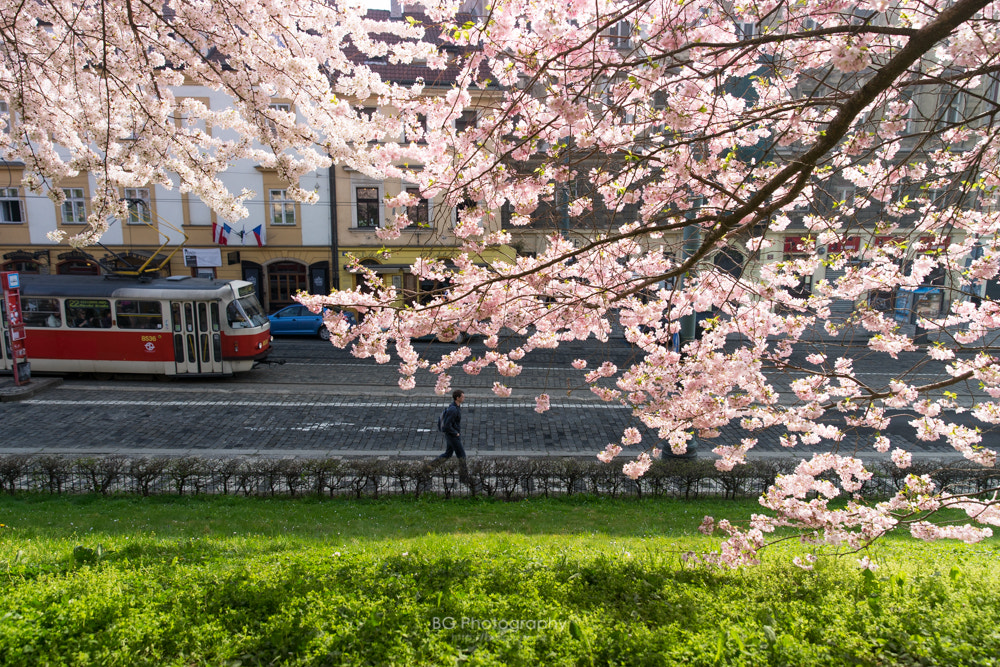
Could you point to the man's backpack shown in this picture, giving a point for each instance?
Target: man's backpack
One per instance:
(441, 420)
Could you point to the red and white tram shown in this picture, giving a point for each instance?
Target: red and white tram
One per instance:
(165, 326)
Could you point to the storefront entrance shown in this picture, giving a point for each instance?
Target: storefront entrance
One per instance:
(284, 280)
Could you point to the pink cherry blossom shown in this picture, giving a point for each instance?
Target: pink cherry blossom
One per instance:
(501, 390)
(636, 469)
(609, 453)
(627, 177)
(901, 458)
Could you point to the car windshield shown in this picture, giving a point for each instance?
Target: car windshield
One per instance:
(246, 312)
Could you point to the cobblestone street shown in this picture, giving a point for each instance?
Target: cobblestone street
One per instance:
(324, 402)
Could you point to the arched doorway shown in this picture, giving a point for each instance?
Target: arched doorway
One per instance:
(130, 261)
(364, 284)
(22, 262)
(22, 266)
(284, 280)
(729, 260)
(361, 281)
(78, 267)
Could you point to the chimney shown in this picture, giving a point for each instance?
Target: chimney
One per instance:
(396, 9)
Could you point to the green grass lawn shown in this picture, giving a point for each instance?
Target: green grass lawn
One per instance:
(228, 580)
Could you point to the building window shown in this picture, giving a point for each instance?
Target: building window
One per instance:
(988, 202)
(861, 16)
(415, 128)
(620, 34)
(10, 206)
(5, 117)
(74, 209)
(140, 210)
(369, 114)
(22, 266)
(282, 208)
(367, 206)
(461, 206)
(419, 213)
(78, 267)
(951, 105)
(746, 30)
(914, 119)
(280, 107)
(843, 196)
(993, 88)
(467, 120)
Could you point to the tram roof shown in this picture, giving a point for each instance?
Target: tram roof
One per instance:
(114, 286)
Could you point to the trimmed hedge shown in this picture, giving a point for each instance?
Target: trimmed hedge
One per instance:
(501, 477)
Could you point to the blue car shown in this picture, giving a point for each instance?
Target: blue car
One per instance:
(296, 320)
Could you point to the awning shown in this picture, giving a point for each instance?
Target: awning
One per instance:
(382, 268)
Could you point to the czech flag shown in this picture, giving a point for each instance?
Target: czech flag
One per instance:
(260, 234)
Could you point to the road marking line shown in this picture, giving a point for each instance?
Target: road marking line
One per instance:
(569, 368)
(319, 404)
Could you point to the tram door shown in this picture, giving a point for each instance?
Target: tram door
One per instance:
(197, 339)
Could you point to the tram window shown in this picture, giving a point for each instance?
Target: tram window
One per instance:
(245, 313)
(251, 307)
(139, 314)
(88, 313)
(202, 317)
(41, 313)
(215, 316)
(235, 316)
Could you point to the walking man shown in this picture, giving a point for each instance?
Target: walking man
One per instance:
(451, 426)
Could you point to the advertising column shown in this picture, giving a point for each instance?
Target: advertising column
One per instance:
(11, 284)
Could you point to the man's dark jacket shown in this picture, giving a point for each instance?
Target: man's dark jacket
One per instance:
(451, 421)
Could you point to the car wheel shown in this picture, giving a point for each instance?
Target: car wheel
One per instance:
(324, 333)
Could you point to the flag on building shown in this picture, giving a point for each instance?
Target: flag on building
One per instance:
(260, 234)
(220, 233)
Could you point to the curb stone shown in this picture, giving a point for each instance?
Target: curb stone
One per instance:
(12, 392)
